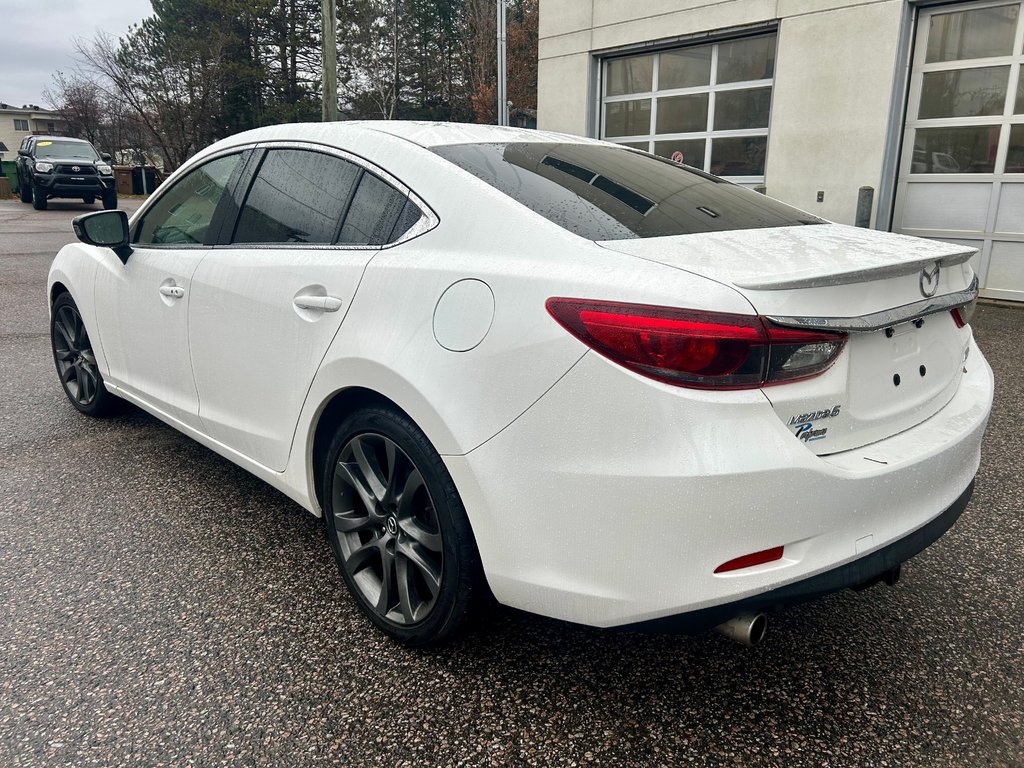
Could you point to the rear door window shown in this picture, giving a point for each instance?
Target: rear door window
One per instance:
(375, 209)
(298, 196)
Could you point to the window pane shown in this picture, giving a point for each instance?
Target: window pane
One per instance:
(685, 68)
(409, 216)
(735, 110)
(373, 213)
(955, 150)
(183, 214)
(1015, 154)
(633, 75)
(687, 151)
(627, 118)
(644, 145)
(964, 92)
(630, 194)
(1019, 109)
(740, 156)
(298, 197)
(683, 114)
(752, 58)
(972, 34)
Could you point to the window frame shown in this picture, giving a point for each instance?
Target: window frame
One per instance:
(712, 88)
(23, 121)
(428, 219)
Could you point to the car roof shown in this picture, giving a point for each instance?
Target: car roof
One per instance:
(423, 133)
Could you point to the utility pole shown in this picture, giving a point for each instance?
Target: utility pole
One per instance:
(502, 98)
(329, 113)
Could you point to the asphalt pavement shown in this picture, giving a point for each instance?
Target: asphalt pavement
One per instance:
(161, 607)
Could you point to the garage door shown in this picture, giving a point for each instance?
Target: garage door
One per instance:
(962, 168)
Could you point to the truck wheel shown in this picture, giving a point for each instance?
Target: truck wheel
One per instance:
(109, 201)
(24, 191)
(89, 199)
(39, 198)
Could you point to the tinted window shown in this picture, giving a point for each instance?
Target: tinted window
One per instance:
(610, 193)
(374, 211)
(183, 214)
(409, 216)
(297, 197)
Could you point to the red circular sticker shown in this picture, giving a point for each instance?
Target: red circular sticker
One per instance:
(677, 157)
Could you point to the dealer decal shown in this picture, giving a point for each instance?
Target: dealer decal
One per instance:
(808, 433)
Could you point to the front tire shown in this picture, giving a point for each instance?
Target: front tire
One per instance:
(38, 198)
(398, 529)
(109, 200)
(76, 363)
(89, 199)
(24, 191)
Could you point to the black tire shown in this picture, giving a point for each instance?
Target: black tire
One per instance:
(420, 537)
(76, 365)
(38, 198)
(24, 191)
(89, 199)
(109, 201)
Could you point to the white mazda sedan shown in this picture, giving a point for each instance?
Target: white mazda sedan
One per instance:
(601, 386)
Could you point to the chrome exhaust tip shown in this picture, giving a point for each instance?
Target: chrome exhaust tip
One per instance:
(746, 629)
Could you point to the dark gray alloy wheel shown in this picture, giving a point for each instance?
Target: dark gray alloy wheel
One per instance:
(398, 529)
(76, 362)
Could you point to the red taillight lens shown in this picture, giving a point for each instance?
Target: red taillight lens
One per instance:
(704, 350)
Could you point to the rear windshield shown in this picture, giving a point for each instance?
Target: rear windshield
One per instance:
(602, 192)
(65, 150)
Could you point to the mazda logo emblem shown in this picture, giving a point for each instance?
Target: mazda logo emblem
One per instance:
(929, 281)
(75, 168)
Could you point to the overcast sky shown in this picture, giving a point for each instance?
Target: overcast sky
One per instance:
(39, 39)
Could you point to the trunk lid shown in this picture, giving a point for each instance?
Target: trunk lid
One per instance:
(903, 361)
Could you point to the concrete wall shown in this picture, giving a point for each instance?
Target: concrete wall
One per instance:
(834, 77)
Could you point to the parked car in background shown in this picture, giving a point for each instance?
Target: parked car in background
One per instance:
(607, 387)
(56, 166)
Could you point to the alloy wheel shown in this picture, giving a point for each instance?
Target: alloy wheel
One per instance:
(387, 529)
(76, 362)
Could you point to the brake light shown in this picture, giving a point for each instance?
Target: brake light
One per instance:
(701, 350)
(962, 315)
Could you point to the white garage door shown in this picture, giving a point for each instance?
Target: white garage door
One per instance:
(962, 168)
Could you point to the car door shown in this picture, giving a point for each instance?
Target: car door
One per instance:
(267, 303)
(142, 304)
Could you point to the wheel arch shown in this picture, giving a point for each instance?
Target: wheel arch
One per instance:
(331, 413)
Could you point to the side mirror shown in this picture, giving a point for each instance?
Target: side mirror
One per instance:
(105, 156)
(106, 229)
(23, 152)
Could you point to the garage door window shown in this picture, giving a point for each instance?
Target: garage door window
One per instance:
(706, 105)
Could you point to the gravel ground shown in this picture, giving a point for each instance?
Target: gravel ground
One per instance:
(160, 607)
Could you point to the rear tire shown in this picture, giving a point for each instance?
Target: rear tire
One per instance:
(24, 191)
(398, 530)
(109, 201)
(38, 198)
(76, 363)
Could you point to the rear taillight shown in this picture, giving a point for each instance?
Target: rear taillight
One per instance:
(702, 350)
(962, 315)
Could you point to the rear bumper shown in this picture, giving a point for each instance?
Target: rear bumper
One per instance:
(862, 571)
(613, 499)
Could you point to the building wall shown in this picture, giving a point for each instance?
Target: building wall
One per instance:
(834, 77)
(37, 124)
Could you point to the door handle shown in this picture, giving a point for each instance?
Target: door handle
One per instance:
(318, 303)
(174, 291)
